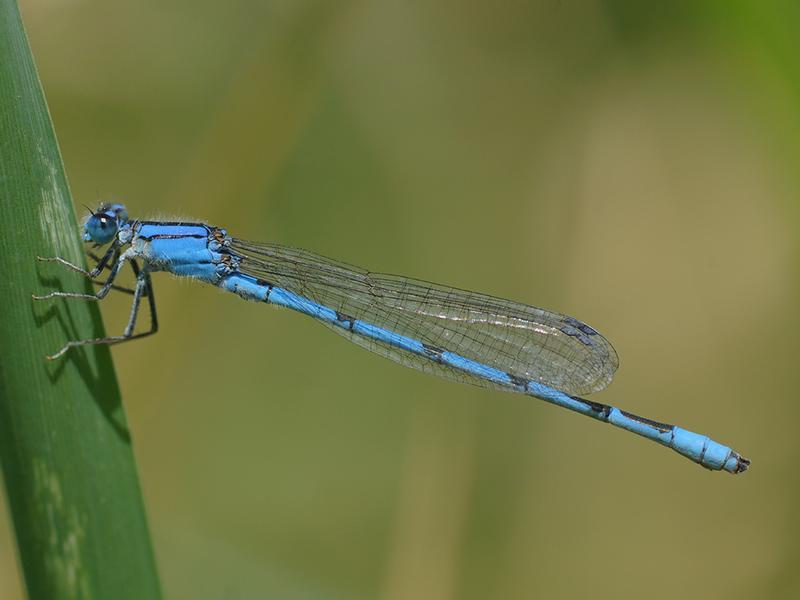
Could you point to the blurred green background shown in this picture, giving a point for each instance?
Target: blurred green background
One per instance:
(633, 164)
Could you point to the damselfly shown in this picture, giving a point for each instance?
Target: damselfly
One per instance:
(459, 335)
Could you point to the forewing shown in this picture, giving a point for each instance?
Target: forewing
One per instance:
(522, 340)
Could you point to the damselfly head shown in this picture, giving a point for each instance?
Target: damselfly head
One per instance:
(102, 226)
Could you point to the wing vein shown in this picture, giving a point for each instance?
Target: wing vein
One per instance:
(521, 340)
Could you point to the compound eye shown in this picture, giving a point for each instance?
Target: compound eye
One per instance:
(100, 228)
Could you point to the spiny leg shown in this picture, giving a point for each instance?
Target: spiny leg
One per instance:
(101, 263)
(150, 299)
(101, 293)
(113, 250)
(117, 288)
(143, 287)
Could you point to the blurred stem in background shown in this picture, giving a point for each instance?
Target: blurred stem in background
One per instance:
(66, 454)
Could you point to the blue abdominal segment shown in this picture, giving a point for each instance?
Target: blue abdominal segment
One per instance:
(697, 448)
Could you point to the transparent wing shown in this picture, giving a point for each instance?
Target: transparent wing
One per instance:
(522, 340)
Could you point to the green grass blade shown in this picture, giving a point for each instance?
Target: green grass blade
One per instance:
(66, 455)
